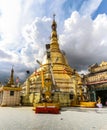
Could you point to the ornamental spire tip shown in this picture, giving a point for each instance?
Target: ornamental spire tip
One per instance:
(54, 16)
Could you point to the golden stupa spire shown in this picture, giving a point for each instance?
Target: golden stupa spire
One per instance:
(54, 25)
(54, 32)
(11, 80)
(54, 38)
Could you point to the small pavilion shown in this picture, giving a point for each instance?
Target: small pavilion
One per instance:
(10, 93)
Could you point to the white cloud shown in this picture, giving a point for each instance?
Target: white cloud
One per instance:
(4, 55)
(36, 36)
(9, 19)
(85, 39)
(89, 6)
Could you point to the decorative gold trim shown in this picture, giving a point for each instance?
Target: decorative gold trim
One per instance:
(11, 88)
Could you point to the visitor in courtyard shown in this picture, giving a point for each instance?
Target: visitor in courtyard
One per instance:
(99, 104)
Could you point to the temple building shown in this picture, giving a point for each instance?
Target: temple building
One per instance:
(65, 82)
(96, 82)
(10, 93)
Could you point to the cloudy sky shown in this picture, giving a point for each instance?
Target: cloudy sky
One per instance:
(25, 29)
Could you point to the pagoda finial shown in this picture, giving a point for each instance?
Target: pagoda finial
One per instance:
(11, 81)
(54, 25)
(12, 76)
(54, 16)
(54, 39)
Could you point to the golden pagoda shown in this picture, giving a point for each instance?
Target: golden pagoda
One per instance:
(54, 71)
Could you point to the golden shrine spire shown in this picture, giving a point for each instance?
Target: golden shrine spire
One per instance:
(11, 80)
(54, 25)
(54, 39)
(54, 32)
(12, 76)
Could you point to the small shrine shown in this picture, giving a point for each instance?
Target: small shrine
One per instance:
(10, 93)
